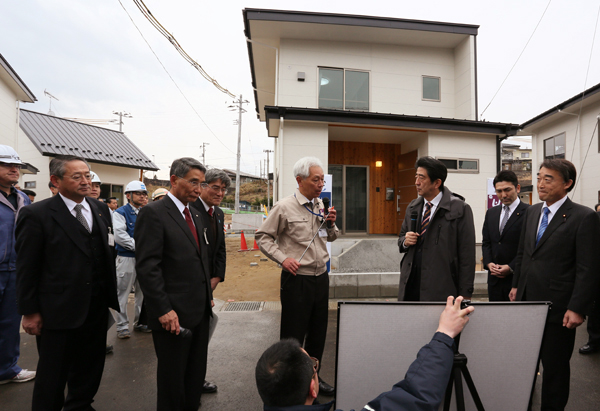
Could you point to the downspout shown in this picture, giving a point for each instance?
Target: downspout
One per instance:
(499, 152)
(280, 158)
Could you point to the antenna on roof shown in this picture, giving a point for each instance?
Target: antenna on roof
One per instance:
(50, 97)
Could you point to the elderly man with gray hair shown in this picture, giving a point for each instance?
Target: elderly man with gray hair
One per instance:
(284, 237)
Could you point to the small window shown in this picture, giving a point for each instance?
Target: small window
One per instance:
(461, 165)
(29, 184)
(431, 88)
(342, 89)
(524, 155)
(554, 147)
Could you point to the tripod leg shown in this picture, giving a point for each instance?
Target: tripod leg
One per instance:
(448, 396)
(472, 389)
(458, 389)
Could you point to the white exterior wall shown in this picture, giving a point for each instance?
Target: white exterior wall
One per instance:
(472, 186)
(395, 80)
(588, 184)
(300, 140)
(8, 117)
(116, 175)
(464, 82)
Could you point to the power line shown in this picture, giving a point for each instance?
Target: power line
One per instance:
(173, 80)
(162, 30)
(511, 69)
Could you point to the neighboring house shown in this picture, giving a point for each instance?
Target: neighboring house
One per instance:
(368, 96)
(244, 177)
(570, 130)
(12, 92)
(110, 153)
(518, 159)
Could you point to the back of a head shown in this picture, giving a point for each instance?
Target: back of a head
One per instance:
(283, 374)
(435, 169)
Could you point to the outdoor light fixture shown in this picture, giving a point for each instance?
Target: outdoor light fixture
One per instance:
(378, 163)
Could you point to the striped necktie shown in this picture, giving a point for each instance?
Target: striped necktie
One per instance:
(505, 219)
(426, 218)
(543, 225)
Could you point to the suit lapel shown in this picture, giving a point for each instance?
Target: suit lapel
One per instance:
(561, 216)
(68, 223)
(173, 211)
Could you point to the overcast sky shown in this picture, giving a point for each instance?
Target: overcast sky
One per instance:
(92, 58)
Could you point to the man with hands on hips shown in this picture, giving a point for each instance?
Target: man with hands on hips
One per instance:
(284, 236)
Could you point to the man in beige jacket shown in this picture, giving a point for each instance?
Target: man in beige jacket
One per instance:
(284, 237)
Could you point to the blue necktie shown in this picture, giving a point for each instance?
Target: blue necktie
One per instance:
(543, 226)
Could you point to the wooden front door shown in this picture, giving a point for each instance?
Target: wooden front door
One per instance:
(406, 190)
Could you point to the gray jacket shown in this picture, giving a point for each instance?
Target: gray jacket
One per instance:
(448, 263)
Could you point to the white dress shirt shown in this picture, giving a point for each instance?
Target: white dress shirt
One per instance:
(180, 206)
(511, 209)
(86, 210)
(553, 209)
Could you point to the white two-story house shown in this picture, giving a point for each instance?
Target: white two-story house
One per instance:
(368, 96)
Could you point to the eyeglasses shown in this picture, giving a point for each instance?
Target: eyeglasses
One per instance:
(79, 177)
(194, 184)
(140, 193)
(315, 364)
(11, 165)
(214, 188)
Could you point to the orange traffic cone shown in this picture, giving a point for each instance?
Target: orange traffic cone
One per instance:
(243, 245)
(255, 246)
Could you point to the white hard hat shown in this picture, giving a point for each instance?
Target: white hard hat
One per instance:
(135, 185)
(95, 178)
(8, 155)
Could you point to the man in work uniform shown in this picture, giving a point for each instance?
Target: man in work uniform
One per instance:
(283, 237)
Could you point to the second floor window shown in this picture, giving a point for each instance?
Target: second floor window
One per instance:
(343, 89)
(554, 147)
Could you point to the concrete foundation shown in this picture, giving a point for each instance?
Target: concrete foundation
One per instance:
(249, 222)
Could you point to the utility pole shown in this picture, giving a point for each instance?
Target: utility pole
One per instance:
(268, 181)
(203, 147)
(122, 114)
(240, 110)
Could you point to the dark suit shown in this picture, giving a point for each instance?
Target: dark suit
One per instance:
(501, 248)
(174, 275)
(217, 251)
(68, 276)
(563, 269)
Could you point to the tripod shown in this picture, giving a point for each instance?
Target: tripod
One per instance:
(459, 367)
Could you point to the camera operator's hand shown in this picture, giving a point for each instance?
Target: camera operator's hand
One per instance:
(453, 319)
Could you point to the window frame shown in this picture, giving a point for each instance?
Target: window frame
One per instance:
(423, 77)
(343, 70)
(564, 155)
(458, 160)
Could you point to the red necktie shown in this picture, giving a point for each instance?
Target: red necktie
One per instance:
(190, 223)
(210, 211)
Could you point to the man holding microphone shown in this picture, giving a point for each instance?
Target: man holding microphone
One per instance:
(295, 235)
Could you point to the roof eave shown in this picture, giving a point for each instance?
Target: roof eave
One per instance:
(18, 81)
(390, 120)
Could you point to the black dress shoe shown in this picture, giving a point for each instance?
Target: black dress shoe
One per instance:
(588, 349)
(109, 349)
(208, 387)
(325, 389)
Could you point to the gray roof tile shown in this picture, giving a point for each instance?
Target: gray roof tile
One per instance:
(57, 136)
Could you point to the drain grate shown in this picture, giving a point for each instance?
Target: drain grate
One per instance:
(272, 306)
(244, 306)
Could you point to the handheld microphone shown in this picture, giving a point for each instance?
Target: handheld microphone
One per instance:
(184, 332)
(413, 221)
(326, 211)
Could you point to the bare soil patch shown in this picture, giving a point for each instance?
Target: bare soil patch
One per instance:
(246, 283)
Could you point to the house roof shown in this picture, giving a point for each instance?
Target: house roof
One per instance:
(265, 28)
(590, 95)
(401, 121)
(12, 79)
(242, 174)
(54, 136)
